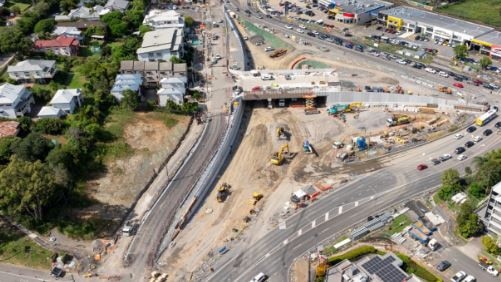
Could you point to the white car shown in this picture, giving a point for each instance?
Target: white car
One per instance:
(458, 276)
(443, 73)
(430, 70)
(477, 139)
(458, 136)
(470, 278)
(217, 57)
(445, 157)
(462, 157)
(316, 32)
(302, 26)
(402, 62)
(269, 49)
(300, 30)
(289, 26)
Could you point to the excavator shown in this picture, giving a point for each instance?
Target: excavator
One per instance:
(278, 157)
(282, 134)
(223, 191)
(256, 197)
(307, 147)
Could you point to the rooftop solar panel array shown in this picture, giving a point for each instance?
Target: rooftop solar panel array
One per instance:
(385, 269)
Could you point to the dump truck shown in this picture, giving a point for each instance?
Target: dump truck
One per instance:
(222, 192)
(394, 121)
(419, 236)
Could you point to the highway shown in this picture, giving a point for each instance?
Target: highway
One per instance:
(368, 195)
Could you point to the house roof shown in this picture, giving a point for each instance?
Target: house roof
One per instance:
(60, 41)
(159, 17)
(180, 67)
(32, 65)
(50, 111)
(151, 66)
(64, 96)
(165, 66)
(9, 128)
(9, 93)
(162, 39)
(169, 91)
(172, 79)
(120, 5)
(84, 12)
(67, 30)
(127, 81)
(82, 24)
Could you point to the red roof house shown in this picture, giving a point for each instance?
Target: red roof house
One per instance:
(61, 45)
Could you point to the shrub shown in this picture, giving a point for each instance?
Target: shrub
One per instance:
(50, 126)
(352, 255)
(412, 267)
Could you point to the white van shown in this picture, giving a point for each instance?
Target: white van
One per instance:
(266, 76)
(320, 22)
(259, 278)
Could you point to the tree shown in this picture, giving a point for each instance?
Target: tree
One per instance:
(26, 189)
(490, 245)
(468, 222)
(451, 184)
(50, 126)
(45, 26)
(188, 21)
(176, 60)
(13, 40)
(485, 62)
(115, 22)
(144, 29)
(24, 125)
(6, 145)
(461, 51)
(67, 5)
(476, 190)
(130, 100)
(32, 147)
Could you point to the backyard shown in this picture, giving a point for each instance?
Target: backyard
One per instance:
(481, 11)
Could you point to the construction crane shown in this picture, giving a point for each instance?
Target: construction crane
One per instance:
(223, 191)
(278, 157)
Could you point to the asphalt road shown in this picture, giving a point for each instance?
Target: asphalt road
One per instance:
(274, 253)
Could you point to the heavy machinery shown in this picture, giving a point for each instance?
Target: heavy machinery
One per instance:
(355, 106)
(307, 147)
(256, 197)
(278, 53)
(445, 89)
(338, 108)
(397, 120)
(282, 134)
(223, 191)
(278, 157)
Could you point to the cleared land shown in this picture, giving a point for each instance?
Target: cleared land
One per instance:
(482, 11)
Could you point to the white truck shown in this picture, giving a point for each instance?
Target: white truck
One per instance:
(433, 244)
(489, 268)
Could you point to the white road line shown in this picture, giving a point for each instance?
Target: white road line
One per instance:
(267, 255)
(340, 210)
(356, 204)
(299, 232)
(326, 216)
(286, 241)
(313, 224)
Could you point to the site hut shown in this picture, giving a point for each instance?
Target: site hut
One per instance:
(488, 44)
(354, 11)
(288, 87)
(415, 21)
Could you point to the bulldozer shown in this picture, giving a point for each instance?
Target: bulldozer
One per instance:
(223, 191)
(282, 134)
(278, 157)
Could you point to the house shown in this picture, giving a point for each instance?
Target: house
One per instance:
(84, 13)
(153, 72)
(173, 89)
(158, 19)
(82, 24)
(9, 128)
(160, 45)
(61, 45)
(126, 82)
(15, 100)
(117, 5)
(67, 100)
(68, 31)
(50, 112)
(32, 70)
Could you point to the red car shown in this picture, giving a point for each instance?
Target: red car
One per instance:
(477, 82)
(458, 85)
(422, 167)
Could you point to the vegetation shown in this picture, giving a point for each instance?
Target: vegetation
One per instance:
(17, 249)
(398, 224)
(451, 184)
(483, 11)
(485, 62)
(412, 267)
(460, 51)
(352, 254)
(490, 245)
(468, 222)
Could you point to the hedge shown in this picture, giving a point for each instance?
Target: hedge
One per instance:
(352, 255)
(412, 267)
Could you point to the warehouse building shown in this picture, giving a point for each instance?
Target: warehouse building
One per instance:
(355, 11)
(433, 25)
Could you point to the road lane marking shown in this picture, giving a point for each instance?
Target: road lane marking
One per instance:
(356, 204)
(313, 224)
(326, 216)
(340, 210)
(267, 255)
(286, 241)
(282, 225)
(299, 232)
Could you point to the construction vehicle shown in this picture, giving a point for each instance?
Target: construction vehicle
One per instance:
(445, 89)
(337, 108)
(223, 191)
(397, 120)
(278, 157)
(256, 197)
(355, 106)
(310, 108)
(307, 147)
(278, 53)
(282, 134)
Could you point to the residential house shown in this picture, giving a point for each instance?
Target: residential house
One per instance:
(50, 112)
(68, 31)
(158, 19)
(84, 13)
(173, 89)
(67, 100)
(117, 5)
(161, 45)
(32, 70)
(15, 100)
(61, 45)
(153, 72)
(126, 82)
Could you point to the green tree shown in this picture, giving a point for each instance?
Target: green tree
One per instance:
(451, 184)
(115, 22)
(24, 125)
(12, 40)
(485, 62)
(6, 145)
(130, 100)
(50, 126)
(144, 29)
(176, 60)
(468, 222)
(461, 51)
(476, 190)
(26, 189)
(67, 5)
(490, 245)
(32, 147)
(188, 21)
(45, 26)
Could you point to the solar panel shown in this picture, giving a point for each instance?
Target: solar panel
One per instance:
(385, 269)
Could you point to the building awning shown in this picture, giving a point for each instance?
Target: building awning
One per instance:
(480, 42)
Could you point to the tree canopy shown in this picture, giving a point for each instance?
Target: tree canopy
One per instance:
(461, 51)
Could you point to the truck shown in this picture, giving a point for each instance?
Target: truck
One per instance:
(418, 236)
(394, 121)
(433, 244)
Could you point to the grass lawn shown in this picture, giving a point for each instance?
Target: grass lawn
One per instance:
(483, 11)
(269, 38)
(413, 267)
(399, 223)
(16, 249)
(115, 126)
(22, 6)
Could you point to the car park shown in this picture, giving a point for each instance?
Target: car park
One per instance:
(422, 167)
(487, 132)
(443, 265)
(445, 157)
(458, 276)
(459, 150)
(461, 157)
(471, 129)
(435, 161)
(469, 144)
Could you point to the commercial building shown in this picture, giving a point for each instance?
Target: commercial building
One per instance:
(61, 45)
(161, 45)
(126, 82)
(355, 11)
(153, 72)
(15, 100)
(488, 44)
(435, 26)
(32, 70)
(492, 218)
(158, 19)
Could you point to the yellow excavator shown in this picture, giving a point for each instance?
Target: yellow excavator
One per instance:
(256, 197)
(223, 191)
(278, 157)
(281, 133)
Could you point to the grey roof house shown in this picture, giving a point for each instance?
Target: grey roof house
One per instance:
(117, 5)
(32, 70)
(153, 72)
(161, 45)
(126, 82)
(15, 100)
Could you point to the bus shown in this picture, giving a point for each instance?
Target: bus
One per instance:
(486, 117)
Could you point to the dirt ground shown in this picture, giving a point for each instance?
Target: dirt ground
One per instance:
(152, 141)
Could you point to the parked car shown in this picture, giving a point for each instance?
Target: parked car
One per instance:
(435, 161)
(461, 157)
(471, 129)
(469, 144)
(443, 265)
(430, 70)
(489, 268)
(443, 74)
(487, 132)
(477, 138)
(422, 167)
(445, 157)
(459, 150)
(470, 278)
(458, 85)
(458, 276)
(498, 124)
(458, 136)
(477, 82)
